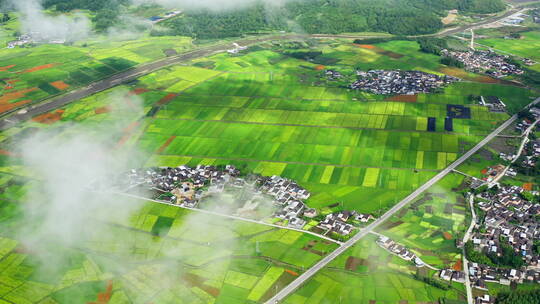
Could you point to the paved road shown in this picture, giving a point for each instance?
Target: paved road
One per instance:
(461, 29)
(411, 197)
(126, 76)
(11, 120)
(230, 216)
(466, 237)
(518, 154)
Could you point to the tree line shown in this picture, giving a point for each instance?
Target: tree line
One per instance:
(398, 17)
(519, 297)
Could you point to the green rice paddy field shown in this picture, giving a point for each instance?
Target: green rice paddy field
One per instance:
(32, 74)
(367, 273)
(431, 225)
(162, 254)
(526, 47)
(262, 112)
(256, 111)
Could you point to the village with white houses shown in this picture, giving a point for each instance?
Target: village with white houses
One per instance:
(187, 187)
(399, 82)
(487, 62)
(504, 245)
(34, 38)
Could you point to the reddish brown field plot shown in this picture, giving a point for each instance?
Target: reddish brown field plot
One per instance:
(381, 51)
(60, 85)
(104, 297)
(165, 100)
(8, 100)
(49, 118)
(447, 236)
(3, 69)
(102, 110)
(38, 68)
(138, 91)
(403, 98)
(166, 144)
(127, 134)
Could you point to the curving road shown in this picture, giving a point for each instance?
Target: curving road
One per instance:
(466, 237)
(410, 198)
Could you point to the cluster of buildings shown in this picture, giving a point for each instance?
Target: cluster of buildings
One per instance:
(33, 38)
(289, 196)
(399, 250)
(182, 185)
(337, 222)
(168, 15)
(515, 19)
(487, 62)
(332, 74)
(187, 186)
(509, 220)
(399, 82)
(536, 16)
(236, 49)
(493, 103)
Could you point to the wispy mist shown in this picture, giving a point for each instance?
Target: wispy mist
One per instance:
(63, 209)
(45, 27)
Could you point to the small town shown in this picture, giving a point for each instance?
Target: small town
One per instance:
(488, 62)
(503, 246)
(397, 82)
(187, 187)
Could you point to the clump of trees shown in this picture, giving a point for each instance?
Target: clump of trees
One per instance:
(508, 257)
(449, 61)
(519, 297)
(398, 17)
(431, 281)
(432, 45)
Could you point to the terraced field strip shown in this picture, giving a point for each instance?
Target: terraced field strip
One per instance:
(299, 163)
(304, 125)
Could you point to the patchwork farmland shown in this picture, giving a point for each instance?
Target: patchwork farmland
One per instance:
(265, 112)
(367, 273)
(32, 74)
(208, 259)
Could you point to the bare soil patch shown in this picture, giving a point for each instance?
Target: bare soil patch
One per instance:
(381, 51)
(49, 118)
(60, 85)
(403, 98)
(166, 144)
(353, 263)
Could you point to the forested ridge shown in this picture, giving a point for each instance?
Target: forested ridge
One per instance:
(399, 17)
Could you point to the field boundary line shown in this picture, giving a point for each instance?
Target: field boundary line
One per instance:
(307, 126)
(229, 216)
(297, 163)
(299, 281)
